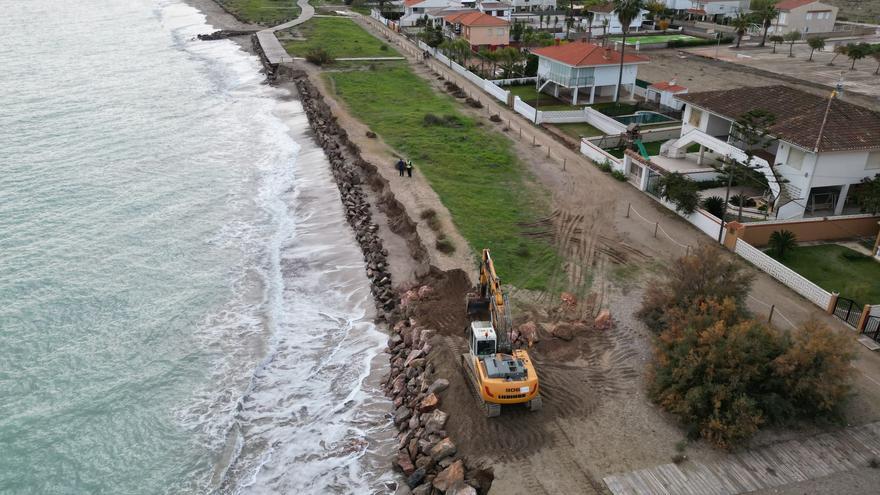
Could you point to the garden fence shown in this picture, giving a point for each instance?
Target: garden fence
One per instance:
(784, 274)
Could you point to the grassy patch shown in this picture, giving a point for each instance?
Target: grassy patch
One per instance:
(473, 170)
(267, 12)
(341, 37)
(579, 130)
(837, 268)
(544, 101)
(612, 109)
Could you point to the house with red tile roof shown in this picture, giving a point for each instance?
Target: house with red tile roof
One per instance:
(579, 68)
(479, 29)
(818, 148)
(804, 16)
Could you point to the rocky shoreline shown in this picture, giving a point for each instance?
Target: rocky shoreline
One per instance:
(426, 456)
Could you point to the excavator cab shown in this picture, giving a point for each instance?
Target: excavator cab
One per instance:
(482, 339)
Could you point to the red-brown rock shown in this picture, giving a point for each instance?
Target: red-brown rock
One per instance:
(429, 403)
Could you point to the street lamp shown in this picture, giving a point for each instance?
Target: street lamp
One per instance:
(718, 35)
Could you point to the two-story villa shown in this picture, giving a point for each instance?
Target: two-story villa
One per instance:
(819, 148)
(582, 69)
(604, 16)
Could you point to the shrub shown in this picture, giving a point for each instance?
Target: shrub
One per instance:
(617, 174)
(691, 280)
(725, 377)
(430, 217)
(444, 121)
(444, 245)
(782, 242)
(714, 205)
(319, 56)
(681, 191)
(604, 165)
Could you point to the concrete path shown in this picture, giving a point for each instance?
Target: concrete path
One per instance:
(272, 48)
(772, 466)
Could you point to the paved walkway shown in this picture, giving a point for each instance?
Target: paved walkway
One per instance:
(272, 48)
(772, 466)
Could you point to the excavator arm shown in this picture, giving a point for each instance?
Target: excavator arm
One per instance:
(490, 288)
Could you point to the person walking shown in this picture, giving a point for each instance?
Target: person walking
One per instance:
(409, 168)
(400, 167)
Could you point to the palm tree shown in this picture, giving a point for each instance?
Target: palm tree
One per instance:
(741, 23)
(627, 11)
(590, 26)
(815, 44)
(791, 37)
(604, 30)
(781, 242)
(656, 8)
(765, 12)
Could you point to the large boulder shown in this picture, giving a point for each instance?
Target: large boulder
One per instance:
(402, 414)
(446, 478)
(436, 421)
(416, 478)
(603, 320)
(461, 488)
(563, 331)
(413, 355)
(529, 333)
(429, 403)
(444, 448)
(404, 463)
(438, 386)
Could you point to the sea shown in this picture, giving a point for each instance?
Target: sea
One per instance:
(183, 308)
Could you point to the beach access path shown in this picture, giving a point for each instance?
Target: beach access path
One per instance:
(272, 48)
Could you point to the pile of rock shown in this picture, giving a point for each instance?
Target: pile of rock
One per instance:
(426, 455)
(348, 175)
(223, 34)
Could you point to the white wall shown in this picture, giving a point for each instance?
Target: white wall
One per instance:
(607, 75)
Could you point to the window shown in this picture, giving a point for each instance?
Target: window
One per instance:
(809, 16)
(782, 17)
(873, 160)
(795, 158)
(695, 117)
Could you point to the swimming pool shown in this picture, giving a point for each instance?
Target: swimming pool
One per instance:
(643, 117)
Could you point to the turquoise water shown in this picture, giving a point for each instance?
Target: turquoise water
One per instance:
(643, 117)
(174, 317)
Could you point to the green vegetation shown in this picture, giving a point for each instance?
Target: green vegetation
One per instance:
(660, 38)
(579, 130)
(266, 12)
(837, 268)
(725, 375)
(529, 95)
(473, 170)
(340, 37)
(613, 109)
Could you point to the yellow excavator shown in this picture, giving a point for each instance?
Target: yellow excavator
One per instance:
(498, 374)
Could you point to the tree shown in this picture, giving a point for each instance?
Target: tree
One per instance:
(656, 8)
(741, 24)
(627, 11)
(725, 376)
(751, 132)
(707, 273)
(868, 195)
(541, 21)
(775, 39)
(782, 242)
(590, 16)
(663, 24)
(857, 52)
(838, 50)
(681, 191)
(516, 31)
(791, 37)
(815, 44)
(765, 12)
(714, 205)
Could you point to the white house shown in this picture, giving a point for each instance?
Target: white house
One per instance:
(804, 16)
(606, 13)
(496, 9)
(413, 10)
(664, 94)
(579, 68)
(815, 158)
(530, 5)
(723, 8)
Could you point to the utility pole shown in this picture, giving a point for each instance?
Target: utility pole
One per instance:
(718, 45)
(824, 121)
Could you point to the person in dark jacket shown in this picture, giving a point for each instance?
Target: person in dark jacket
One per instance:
(400, 167)
(409, 168)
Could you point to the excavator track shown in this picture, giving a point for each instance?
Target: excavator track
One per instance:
(489, 409)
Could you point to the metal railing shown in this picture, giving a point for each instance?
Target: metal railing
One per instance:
(849, 311)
